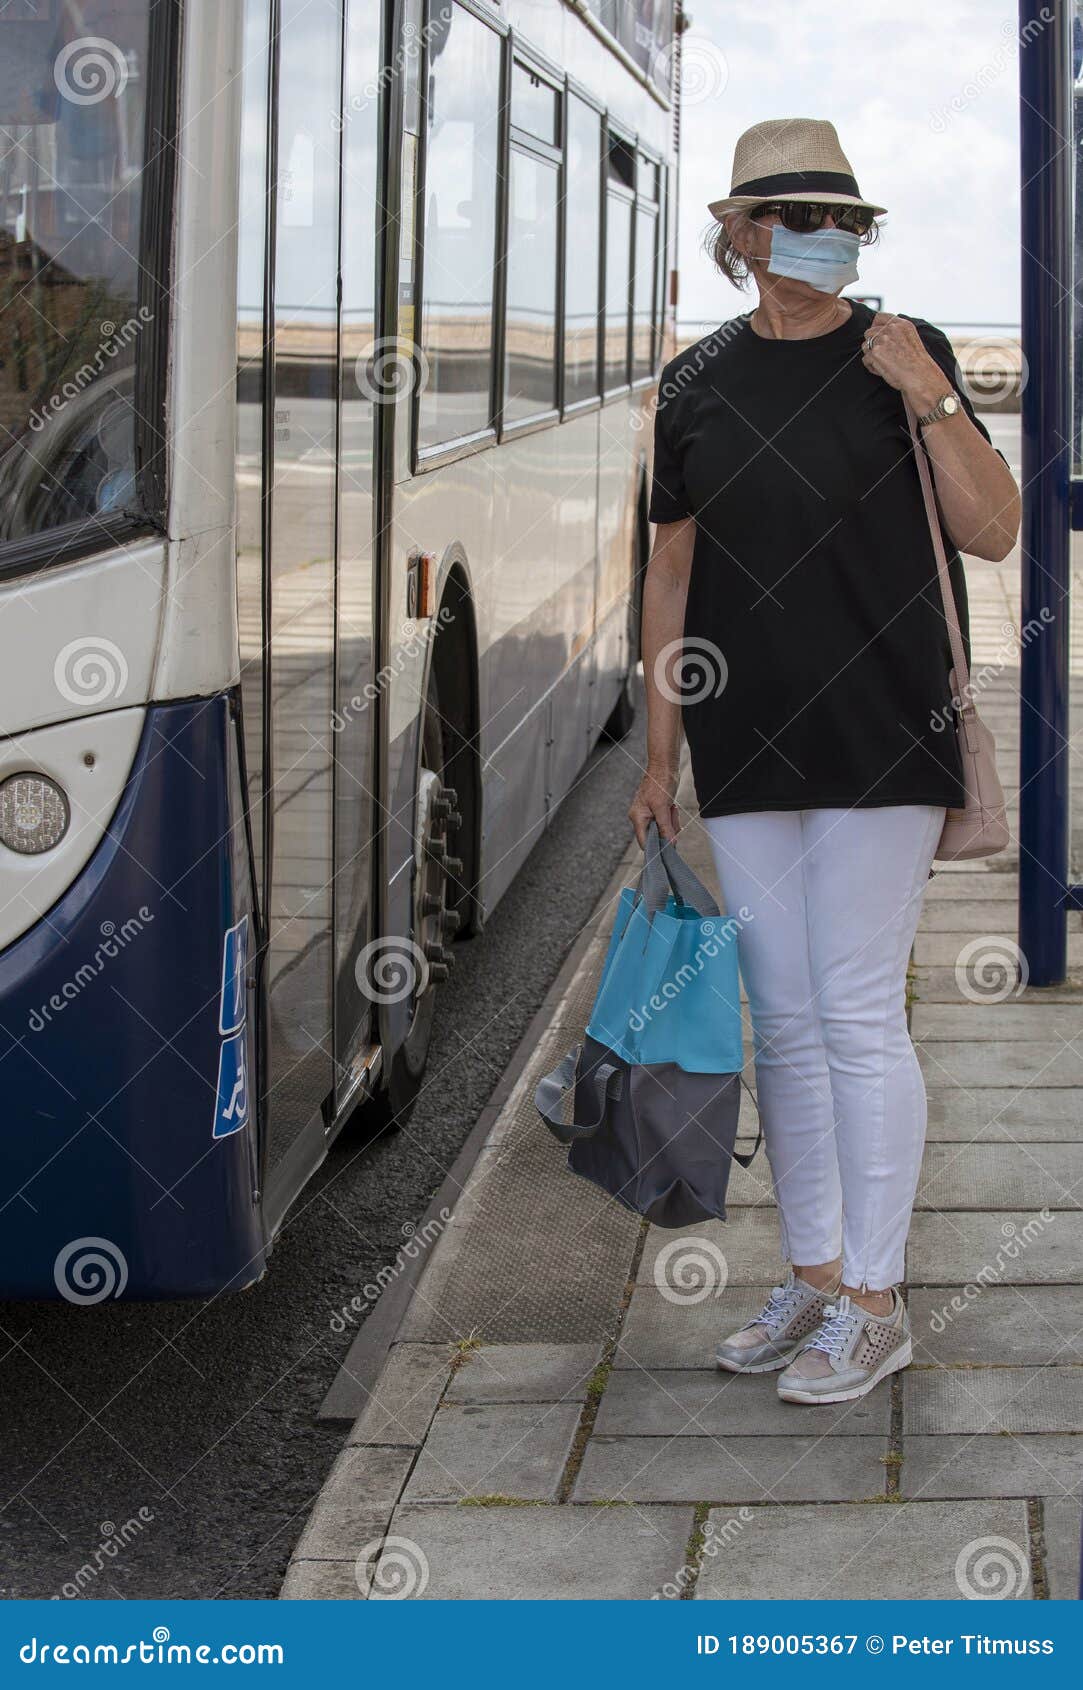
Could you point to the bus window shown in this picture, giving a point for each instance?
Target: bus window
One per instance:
(460, 169)
(530, 370)
(301, 567)
(72, 142)
(643, 290)
(618, 262)
(582, 251)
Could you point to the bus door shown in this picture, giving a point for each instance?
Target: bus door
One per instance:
(363, 355)
(298, 969)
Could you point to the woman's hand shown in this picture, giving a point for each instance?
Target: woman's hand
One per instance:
(654, 802)
(893, 351)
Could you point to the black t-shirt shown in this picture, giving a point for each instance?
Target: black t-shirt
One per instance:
(814, 575)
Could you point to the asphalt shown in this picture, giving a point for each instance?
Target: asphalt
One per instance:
(175, 1450)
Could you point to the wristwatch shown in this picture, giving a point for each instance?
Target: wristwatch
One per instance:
(946, 407)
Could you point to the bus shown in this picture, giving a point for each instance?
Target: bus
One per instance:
(329, 331)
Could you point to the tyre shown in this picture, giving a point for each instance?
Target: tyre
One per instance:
(436, 822)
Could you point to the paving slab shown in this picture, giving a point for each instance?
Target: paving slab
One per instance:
(926, 1551)
(1020, 1325)
(1061, 1532)
(963, 915)
(529, 1554)
(655, 1334)
(943, 948)
(1011, 1019)
(1001, 1062)
(970, 882)
(1001, 1176)
(993, 1399)
(953, 1248)
(940, 984)
(968, 1466)
(695, 1264)
(537, 1373)
(1007, 1114)
(355, 1503)
(724, 1405)
(326, 1581)
(790, 1469)
(404, 1398)
(510, 1449)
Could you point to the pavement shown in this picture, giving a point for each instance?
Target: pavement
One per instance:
(548, 1423)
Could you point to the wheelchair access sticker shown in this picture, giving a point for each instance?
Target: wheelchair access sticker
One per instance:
(231, 1105)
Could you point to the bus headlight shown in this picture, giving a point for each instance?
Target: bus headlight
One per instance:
(34, 814)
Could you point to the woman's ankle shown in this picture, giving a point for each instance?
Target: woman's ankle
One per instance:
(879, 1303)
(822, 1276)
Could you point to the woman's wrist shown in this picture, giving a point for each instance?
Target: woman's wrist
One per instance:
(928, 389)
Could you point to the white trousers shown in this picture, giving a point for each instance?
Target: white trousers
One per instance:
(833, 898)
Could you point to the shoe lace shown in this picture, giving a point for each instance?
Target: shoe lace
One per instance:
(778, 1308)
(835, 1330)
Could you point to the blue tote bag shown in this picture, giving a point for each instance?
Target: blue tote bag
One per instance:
(670, 987)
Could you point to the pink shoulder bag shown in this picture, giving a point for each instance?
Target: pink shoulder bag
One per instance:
(980, 828)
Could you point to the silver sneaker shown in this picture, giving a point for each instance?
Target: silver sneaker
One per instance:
(850, 1354)
(774, 1337)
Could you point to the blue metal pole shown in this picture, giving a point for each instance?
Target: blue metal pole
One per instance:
(1046, 150)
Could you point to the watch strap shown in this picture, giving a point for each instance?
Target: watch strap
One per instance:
(939, 411)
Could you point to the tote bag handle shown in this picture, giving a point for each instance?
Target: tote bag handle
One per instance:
(665, 871)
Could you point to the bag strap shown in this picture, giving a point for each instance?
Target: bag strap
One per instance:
(746, 1158)
(553, 1088)
(664, 871)
(951, 614)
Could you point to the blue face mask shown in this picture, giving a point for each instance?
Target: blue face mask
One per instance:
(825, 258)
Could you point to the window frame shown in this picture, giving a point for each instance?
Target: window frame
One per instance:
(523, 142)
(610, 191)
(71, 542)
(594, 401)
(428, 457)
(653, 208)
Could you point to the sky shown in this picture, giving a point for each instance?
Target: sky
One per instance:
(925, 100)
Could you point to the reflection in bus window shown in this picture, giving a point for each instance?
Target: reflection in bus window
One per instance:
(582, 244)
(459, 229)
(643, 292)
(71, 158)
(618, 259)
(530, 380)
(251, 335)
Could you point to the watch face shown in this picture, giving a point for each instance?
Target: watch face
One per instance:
(951, 405)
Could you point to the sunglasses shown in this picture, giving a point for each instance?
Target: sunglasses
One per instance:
(804, 219)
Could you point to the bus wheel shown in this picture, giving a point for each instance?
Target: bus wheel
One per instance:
(436, 820)
(623, 714)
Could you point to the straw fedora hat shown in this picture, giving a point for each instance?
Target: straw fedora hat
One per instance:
(790, 158)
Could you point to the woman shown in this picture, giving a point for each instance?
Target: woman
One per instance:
(793, 567)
